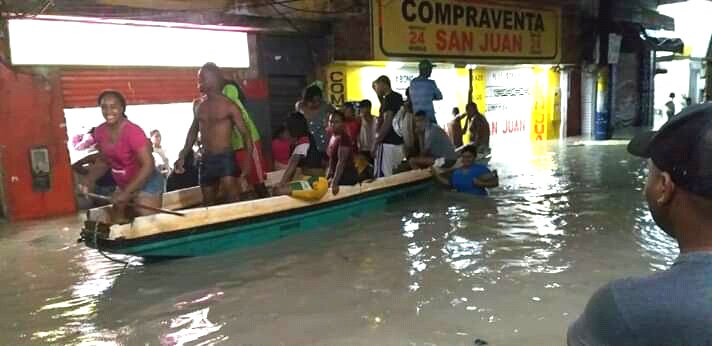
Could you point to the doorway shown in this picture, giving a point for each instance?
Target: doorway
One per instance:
(284, 92)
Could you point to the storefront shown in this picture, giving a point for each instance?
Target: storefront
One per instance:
(153, 69)
(63, 63)
(516, 49)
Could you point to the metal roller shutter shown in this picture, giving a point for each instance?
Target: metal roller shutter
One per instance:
(80, 87)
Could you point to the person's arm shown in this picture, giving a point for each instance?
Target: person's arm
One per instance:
(329, 173)
(344, 154)
(291, 169)
(96, 171)
(386, 126)
(459, 117)
(439, 178)
(190, 139)
(145, 160)
(166, 166)
(487, 180)
(165, 159)
(437, 95)
(240, 126)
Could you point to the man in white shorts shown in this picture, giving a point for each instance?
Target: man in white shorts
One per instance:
(388, 145)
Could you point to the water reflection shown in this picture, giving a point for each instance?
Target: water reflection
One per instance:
(191, 327)
(77, 307)
(442, 268)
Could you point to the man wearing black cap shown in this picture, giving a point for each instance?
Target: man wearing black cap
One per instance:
(423, 91)
(673, 307)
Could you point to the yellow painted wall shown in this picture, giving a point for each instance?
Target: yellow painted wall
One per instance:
(350, 82)
(546, 113)
(357, 81)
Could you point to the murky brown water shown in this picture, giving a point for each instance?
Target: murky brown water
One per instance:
(443, 269)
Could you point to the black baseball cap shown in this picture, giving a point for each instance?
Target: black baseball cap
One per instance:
(682, 148)
(425, 64)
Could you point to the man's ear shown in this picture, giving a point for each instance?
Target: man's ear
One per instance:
(666, 189)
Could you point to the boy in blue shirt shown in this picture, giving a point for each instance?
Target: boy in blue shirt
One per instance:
(471, 178)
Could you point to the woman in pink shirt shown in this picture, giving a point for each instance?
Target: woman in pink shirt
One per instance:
(125, 150)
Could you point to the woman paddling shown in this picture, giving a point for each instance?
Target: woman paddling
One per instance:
(125, 150)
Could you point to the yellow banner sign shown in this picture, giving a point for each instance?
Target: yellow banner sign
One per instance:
(465, 29)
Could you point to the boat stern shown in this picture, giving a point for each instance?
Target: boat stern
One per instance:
(94, 233)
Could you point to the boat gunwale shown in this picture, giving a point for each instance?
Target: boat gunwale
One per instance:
(122, 243)
(414, 180)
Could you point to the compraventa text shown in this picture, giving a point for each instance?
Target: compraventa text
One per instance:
(432, 12)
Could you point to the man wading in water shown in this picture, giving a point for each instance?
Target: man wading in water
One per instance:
(672, 307)
(215, 117)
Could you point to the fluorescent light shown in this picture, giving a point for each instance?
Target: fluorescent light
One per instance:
(395, 65)
(56, 42)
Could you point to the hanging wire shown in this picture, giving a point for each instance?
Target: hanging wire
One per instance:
(285, 17)
(341, 11)
(259, 3)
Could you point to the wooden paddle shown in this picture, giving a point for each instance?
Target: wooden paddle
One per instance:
(158, 210)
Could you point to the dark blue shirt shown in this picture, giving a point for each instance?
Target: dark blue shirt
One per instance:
(463, 179)
(673, 307)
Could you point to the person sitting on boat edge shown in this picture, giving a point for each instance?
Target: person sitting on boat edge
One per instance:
(435, 147)
(126, 151)
(280, 147)
(305, 156)
(190, 176)
(352, 123)
(215, 116)
(471, 178)
(341, 169)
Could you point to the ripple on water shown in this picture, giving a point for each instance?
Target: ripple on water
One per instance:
(440, 269)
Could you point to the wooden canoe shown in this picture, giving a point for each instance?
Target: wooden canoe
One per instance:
(204, 231)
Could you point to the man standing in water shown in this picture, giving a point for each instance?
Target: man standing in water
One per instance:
(673, 307)
(215, 118)
(479, 129)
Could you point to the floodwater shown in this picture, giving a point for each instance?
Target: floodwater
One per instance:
(441, 269)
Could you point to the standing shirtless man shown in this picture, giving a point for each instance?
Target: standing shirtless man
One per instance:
(215, 118)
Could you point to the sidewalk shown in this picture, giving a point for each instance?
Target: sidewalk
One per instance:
(620, 137)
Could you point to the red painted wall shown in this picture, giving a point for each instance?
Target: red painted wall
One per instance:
(31, 114)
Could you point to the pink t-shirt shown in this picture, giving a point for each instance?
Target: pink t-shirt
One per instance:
(122, 155)
(280, 150)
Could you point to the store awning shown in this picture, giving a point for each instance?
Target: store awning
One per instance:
(664, 44)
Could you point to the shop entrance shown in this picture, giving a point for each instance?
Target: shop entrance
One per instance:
(159, 99)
